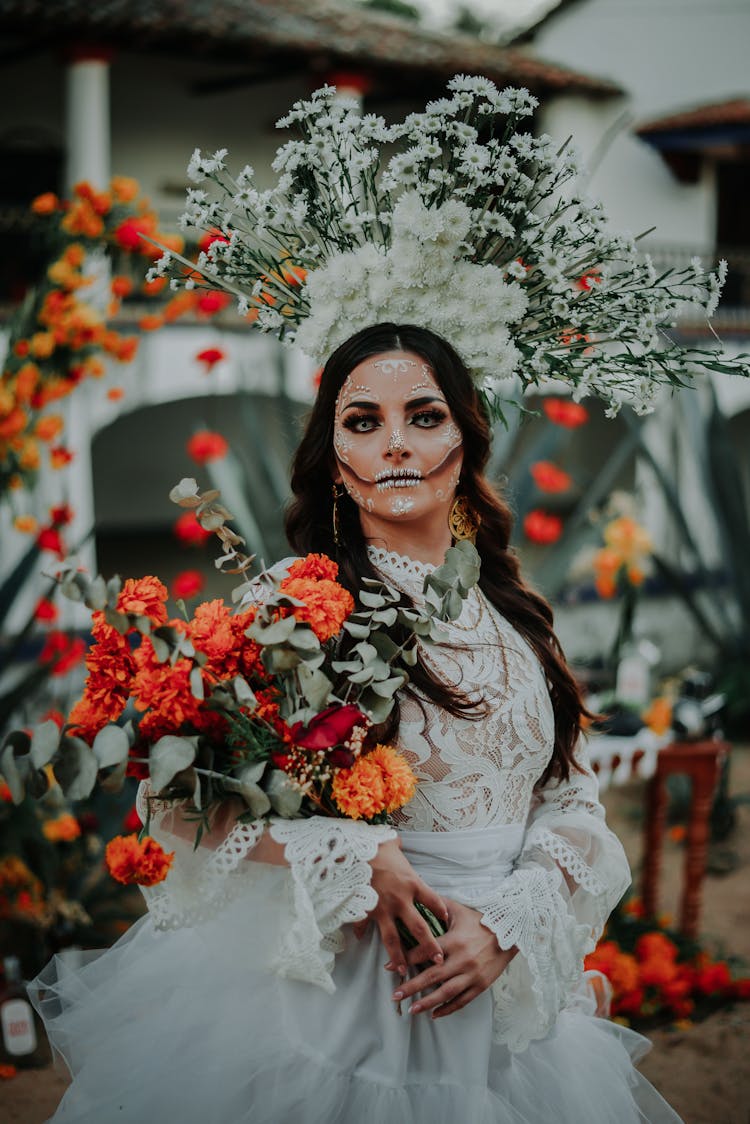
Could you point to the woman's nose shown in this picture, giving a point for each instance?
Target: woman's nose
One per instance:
(396, 443)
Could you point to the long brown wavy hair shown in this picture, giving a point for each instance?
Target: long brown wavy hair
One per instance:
(309, 523)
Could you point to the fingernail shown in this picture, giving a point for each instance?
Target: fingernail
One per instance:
(402, 969)
(414, 1009)
(389, 966)
(438, 958)
(397, 995)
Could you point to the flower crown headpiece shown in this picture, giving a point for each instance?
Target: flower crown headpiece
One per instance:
(472, 227)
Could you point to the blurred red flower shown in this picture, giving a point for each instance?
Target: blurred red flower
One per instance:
(211, 356)
(568, 414)
(187, 584)
(189, 531)
(46, 610)
(207, 446)
(49, 538)
(210, 302)
(549, 478)
(542, 528)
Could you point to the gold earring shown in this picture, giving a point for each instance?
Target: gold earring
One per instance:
(463, 521)
(335, 515)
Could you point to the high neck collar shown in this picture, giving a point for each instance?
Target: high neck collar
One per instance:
(399, 567)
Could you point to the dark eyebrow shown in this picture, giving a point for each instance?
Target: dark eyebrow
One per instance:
(414, 402)
(361, 406)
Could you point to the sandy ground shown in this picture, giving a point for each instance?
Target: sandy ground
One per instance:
(704, 1072)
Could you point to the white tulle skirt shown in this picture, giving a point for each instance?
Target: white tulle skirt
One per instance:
(191, 1026)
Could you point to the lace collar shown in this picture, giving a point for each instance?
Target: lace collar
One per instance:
(399, 567)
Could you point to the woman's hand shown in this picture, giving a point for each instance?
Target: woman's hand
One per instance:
(472, 962)
(398, 887)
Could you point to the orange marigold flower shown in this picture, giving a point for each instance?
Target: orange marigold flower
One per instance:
(187, 584)
(141, 862)
(541, 527)
(42, 344)
(655, 945)
(146, 597)
(13, 424)
(29, 458)
(121, 286)
(325, 604)
(314, 566)
(150, 322)
(64, 829)
(379, 781)
(565, 413)
(549, 478)
(7, 1072)
(151, 288)
(27, 377)
(164, 691)
(111, 669)
(189, 531)
(115, 393)
(45, 203)
(207, 446)
(628, 539)
(26, 524)
(124, 189)
(658, 717)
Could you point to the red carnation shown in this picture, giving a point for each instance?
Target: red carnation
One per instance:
(46, 610)
(49, 539)
(62, 515)
(549, 478)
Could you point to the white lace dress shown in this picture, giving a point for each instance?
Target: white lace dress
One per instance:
(243, 995)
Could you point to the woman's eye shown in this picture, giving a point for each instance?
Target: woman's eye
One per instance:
(427, 419)
(360, 423)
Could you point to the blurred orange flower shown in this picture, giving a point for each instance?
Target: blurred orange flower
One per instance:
(549, 478)
(565, 413)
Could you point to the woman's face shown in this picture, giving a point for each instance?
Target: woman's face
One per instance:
(397, 447)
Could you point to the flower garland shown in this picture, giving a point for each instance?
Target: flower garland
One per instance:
(472, 227)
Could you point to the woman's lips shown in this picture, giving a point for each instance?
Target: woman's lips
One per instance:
(397, 478)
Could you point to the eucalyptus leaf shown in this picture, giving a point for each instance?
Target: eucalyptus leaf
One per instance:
(37, 783)
(284, 796)
(111, 746)
(377, 707)
(304, 639)
(161, 648)
(316, 686)
(385, 617)
(75, 768)
(386, 688)
(169, 756)
(196, 684)
(359, 631)
(371, 600)
(14, 770)
(111, 780)
(243, 692)
(276, 633)
(44, 742)
(280, 659)
(96, 596)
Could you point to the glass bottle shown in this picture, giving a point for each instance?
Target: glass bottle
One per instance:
(22, 1039)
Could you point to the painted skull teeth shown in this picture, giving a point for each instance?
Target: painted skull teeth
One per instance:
(397, 478)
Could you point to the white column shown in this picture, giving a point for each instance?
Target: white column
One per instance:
(87, 127)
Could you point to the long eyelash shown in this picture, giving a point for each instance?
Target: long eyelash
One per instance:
(434, 414)
(351, 421)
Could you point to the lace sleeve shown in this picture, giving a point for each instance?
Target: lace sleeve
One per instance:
(330, 866)
(570, 874)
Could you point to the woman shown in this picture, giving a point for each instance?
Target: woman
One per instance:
(284, 991)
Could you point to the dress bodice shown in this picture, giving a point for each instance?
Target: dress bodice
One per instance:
(472, 772)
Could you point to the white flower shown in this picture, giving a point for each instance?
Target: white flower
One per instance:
(516, 270)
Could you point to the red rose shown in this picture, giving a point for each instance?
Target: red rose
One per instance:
(333, 726)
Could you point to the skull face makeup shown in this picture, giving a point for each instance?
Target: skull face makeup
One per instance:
(397, 447)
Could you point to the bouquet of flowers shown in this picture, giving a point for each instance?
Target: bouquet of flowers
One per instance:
(276, 704)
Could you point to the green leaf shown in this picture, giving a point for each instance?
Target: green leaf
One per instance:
(243, 692)
(75, 768)
(276, 633)
(284, 796)
(112, 780)
(14, 764)
(44, 742)
(371, 600)
(357, 630)
(304, 639)
(280, 659)
(387, 688)
(196, 684)
(316, 686)
(111, 746)
(96, 597)
(169, 756)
